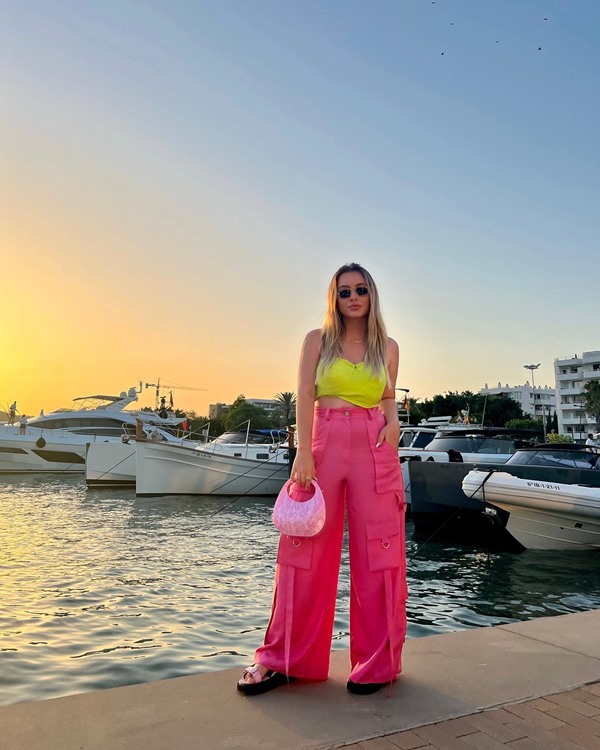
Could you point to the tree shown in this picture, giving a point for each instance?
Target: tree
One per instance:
(591, 399)
(526, 424)
(417, 412)
(499, 409)
(199, 425)
(241, 411)
(554, 438)
(494, 410)
(286, 409)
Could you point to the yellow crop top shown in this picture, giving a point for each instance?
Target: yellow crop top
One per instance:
(353, 383)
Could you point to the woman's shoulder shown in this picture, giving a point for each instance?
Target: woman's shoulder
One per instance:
(313, 338)
(393, 351)
(312, 343)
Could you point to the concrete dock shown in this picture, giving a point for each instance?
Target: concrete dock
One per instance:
(525, 686)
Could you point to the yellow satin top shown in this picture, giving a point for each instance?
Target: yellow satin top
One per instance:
(353, 383)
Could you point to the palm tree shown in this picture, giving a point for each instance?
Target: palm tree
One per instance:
(286, 407)
(591, 399)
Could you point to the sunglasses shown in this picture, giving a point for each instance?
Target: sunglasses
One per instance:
(362, 291)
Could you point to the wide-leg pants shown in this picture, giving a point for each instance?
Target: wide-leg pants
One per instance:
(366, 480)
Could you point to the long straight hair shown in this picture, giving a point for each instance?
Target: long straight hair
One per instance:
(333, 328)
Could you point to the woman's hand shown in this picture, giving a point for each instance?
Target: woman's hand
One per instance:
(303, 468)
(391, 434)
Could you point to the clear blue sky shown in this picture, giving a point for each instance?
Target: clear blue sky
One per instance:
(208, 165)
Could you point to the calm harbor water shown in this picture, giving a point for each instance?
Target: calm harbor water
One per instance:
(100, 588)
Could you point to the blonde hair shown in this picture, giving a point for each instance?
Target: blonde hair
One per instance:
(332, 331)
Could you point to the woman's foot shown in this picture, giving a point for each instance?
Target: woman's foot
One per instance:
(258, 679)
(364, 688)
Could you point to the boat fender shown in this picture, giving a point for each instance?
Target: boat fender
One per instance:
(455, 456)
(163, 414)
(40, 442)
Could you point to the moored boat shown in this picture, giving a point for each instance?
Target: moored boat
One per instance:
(440, 505)
(435, 476)
(417, 443)
(217, 468)
(540, 514)
(56, 442)
(114, 463)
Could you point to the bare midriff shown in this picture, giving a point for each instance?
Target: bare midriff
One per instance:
(332, 402)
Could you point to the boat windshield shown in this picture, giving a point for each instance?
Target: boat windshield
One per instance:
(415, 438)
(252, 438)
(472, 444)
(556, 458)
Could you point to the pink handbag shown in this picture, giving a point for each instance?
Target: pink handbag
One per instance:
(299, 517)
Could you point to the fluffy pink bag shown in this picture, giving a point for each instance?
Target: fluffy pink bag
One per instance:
(299, 517)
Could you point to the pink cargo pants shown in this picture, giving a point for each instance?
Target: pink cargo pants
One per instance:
(354, 474)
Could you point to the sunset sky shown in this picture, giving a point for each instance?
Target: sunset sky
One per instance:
(180, 180)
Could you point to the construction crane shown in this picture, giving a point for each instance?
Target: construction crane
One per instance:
(160, 401)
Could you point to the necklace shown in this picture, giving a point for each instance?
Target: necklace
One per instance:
(354, 341)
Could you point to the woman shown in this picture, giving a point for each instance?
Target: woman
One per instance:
(346, 402)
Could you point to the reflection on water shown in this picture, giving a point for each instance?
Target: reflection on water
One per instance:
(452, 587)
(100, 588)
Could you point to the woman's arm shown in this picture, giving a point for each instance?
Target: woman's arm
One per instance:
(388, 405)
(303, 469)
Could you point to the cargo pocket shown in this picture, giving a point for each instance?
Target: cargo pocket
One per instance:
(295, 552)
(384, 545)
(386, 548)
(388, 474)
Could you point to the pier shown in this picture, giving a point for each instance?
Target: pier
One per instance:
(531, 685)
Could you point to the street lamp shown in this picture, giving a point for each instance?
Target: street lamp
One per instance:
(532, 368)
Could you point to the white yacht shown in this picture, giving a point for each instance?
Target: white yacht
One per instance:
(547, 498)
(56, 442)
(226, 466)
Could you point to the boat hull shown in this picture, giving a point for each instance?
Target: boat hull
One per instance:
(110, 464)
(38, 452)
(174, 470)
(440, 506)
(542, 515)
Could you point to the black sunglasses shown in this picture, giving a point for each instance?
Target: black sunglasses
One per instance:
(362, 291)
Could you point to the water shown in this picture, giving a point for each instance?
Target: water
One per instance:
(99, 588)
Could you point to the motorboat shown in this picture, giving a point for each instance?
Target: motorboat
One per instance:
(457, 443)
(416, 439)
(110, 464)
(221, 467)
(435, 475)
(542, 510)
(56, 442)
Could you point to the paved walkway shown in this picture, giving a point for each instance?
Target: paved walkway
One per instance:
(561, 721)
(525, 686)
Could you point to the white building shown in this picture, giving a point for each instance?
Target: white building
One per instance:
(572, 373)
(536, 401)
